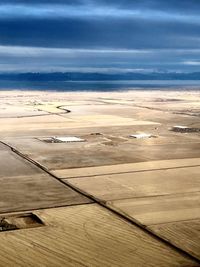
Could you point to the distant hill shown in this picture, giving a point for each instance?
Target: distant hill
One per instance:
(78, 76)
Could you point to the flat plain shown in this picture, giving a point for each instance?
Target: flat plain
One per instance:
(111, 199)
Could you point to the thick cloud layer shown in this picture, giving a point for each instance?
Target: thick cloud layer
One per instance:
(100, 34)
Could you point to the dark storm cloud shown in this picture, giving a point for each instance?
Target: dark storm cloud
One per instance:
(165, 5)
(156, 25)
(110, 33)
(174, 4)
(180, 6)
(34, 2)
(89, 23)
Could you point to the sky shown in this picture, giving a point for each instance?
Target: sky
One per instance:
(108, 36)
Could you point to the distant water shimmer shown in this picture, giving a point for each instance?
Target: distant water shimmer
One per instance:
(100, 86)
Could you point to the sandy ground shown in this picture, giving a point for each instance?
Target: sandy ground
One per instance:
(151, 183)
(105, 121)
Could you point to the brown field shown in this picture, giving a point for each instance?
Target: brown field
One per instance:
(112, 200)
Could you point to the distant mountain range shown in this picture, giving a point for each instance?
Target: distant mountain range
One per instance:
(79, 76)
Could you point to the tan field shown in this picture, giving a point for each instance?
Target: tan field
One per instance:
(111, 199)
